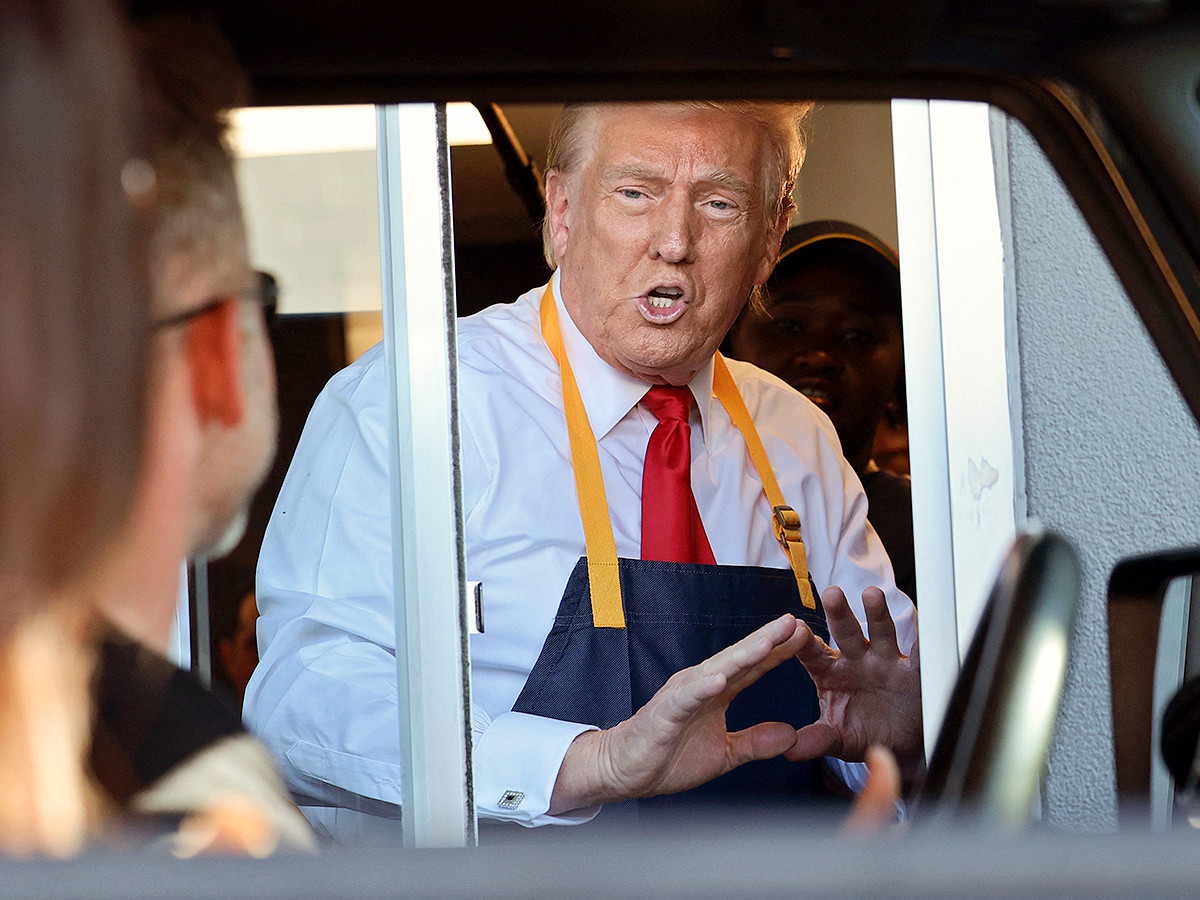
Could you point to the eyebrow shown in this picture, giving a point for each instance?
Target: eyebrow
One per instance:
(714, 177)
(727, 179)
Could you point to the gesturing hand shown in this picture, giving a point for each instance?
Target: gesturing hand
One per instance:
(870, 693)
(678, 740)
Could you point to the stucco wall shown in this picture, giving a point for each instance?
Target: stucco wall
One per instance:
(1112, 455)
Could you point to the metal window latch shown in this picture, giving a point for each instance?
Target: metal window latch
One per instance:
(474, 607)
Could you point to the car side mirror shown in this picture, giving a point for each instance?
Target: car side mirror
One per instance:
(1136, 592)
(990, 753)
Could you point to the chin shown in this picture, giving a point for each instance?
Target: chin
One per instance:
(667, 365)
(228, 537)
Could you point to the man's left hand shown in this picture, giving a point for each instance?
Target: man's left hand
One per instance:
(870, 692)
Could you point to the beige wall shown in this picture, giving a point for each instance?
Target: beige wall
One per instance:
(849, 173)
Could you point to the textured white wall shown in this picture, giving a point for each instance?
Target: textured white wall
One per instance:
(1111, 452)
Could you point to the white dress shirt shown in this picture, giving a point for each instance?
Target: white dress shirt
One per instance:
(324, 695)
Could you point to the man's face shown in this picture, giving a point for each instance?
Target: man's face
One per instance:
(828, 334)
(235, 458)
(661, 235)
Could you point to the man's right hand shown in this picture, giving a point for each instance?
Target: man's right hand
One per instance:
(678, 740)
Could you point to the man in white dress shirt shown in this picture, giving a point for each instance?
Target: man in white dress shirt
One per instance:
(662, 220)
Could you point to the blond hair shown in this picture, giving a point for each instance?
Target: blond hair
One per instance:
(72, 390)
(781, 125)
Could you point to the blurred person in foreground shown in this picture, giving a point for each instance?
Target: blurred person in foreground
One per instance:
(73, 350)
(647, 633)
(830, 326)
(166, 749)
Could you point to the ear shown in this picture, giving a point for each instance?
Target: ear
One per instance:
(213, 346)
(771, 251)
(556, 212)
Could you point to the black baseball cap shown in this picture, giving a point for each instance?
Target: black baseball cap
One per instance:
(829, 238)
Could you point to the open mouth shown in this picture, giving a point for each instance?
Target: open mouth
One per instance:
(818, 393)
(662, 305)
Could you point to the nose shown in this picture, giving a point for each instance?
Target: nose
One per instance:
(673, 238)
(817, 360)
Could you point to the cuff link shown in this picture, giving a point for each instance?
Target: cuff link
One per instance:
(511, 799)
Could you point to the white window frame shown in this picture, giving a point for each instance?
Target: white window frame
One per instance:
(962, 372)
(433, 662)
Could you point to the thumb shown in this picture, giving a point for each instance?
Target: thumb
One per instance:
(762, 741)
(817, 739)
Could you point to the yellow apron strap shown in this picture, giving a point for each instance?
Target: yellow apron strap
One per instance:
(603, 578)
(787, 520)
(603, 573)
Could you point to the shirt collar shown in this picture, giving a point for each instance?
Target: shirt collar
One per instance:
(608, 394)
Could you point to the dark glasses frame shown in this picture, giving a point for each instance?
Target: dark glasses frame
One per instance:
(265, 292)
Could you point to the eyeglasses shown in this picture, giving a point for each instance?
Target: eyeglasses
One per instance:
(265, 291)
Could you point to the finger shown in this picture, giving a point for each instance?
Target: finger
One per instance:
(843, 625)
(814, 654)
(763, 741)
(817, 739)
(875, 807)
(754, 649)
(879, 622)
(681, 698)
(786, 650)
(727, 671)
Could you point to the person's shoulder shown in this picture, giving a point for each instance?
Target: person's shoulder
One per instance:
(504, 339)
(370, 369)
(883, 486)
(151, 715)
(763, 390)
(517, 320)
(359, 386)
(751, 379)
(780, 412)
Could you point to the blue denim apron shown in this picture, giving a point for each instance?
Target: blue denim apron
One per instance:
(624, 626)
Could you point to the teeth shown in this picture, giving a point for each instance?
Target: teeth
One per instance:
(663, 297)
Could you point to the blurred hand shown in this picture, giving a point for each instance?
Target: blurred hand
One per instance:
(875, 807)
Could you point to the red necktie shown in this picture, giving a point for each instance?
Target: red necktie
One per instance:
(671, 526)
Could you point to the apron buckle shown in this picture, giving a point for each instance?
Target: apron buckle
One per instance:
(787, 525)
(787, 530)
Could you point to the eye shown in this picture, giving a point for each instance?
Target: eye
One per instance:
(631, 193)
(721, 206)
(860, 337)
(787, 326)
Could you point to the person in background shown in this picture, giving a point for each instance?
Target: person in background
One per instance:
(74, 346)
(891, 440)
(166, 750)
(829, 325)
(234, 614)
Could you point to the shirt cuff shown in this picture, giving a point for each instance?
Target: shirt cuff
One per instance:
(853, 774)
(516, 763)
